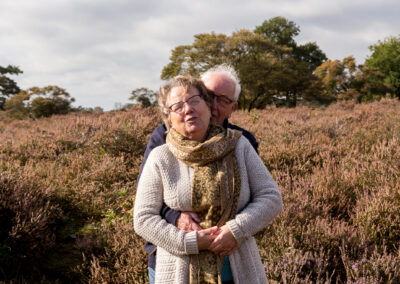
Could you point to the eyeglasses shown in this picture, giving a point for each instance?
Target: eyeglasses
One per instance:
(179, 106)
(223, 100)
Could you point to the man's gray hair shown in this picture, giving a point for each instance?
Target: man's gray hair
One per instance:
(229, 72)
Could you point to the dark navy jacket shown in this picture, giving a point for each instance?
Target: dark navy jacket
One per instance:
(157, 138)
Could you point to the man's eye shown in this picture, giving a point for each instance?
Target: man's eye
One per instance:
(222, 100)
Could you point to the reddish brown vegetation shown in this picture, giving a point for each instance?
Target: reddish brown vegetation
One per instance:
(67, 186)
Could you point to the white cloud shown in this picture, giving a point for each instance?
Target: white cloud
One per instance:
(101, 50)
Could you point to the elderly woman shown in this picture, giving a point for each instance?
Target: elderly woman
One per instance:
(215, 173)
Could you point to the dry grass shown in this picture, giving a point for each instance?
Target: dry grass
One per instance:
(67, 185)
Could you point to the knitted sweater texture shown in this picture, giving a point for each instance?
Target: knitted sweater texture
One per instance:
(167, 180)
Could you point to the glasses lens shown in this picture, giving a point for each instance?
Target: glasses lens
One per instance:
(195, 100)
(223, 100)
(192, 101)
(177, 107)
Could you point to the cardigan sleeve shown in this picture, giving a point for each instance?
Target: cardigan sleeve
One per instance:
(265, 199)
(157, 138)
(146, 217)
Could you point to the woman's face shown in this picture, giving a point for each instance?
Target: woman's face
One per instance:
(193, 117)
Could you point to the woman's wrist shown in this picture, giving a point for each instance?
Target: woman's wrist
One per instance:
(191, 243)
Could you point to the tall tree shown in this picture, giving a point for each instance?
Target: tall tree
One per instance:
(282, 32)
(262, 65)
(8, 87)
(386, 58)
(144, 96)
(253, 57)
(206, 51)
(336, 77)
(367, 84)
(344, 80)
(256, 60)
(310, 54)
(279, 30)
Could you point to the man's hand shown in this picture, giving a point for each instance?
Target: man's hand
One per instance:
(188, 221)
(224, 243)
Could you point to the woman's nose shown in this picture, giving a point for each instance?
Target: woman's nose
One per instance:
(187, 107)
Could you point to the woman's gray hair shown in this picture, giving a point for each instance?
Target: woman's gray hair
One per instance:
(185, 81)
(225, 70)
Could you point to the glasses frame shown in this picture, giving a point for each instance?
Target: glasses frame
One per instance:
(183, 103)
(225, 97)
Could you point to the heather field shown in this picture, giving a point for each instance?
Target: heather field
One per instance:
(67, 187)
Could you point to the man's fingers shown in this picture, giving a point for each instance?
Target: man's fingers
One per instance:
(195, 217)
(188, 221)
(196, 227)
(183, 221)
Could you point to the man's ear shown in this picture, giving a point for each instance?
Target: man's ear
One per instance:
(235, 106)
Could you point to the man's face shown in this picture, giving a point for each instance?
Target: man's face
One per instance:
(224, 102)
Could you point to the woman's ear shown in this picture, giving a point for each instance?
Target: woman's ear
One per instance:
(169, 121)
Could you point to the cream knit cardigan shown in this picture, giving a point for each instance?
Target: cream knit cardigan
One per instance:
(167, 180)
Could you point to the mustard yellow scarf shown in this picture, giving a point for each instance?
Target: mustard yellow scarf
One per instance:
(215, 188)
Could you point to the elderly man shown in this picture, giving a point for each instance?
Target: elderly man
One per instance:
(223, 81)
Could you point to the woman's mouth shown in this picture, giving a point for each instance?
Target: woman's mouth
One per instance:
(191, 119)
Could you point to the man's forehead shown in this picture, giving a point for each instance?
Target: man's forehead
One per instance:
(220, 84)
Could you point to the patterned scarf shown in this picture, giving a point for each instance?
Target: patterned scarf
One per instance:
(215, 189)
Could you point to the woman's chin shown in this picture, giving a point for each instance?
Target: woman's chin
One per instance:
(195, 133)
(193, 128)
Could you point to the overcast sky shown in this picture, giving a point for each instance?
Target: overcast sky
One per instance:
(99, 51)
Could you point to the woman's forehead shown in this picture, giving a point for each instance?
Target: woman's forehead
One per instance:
(179, 91)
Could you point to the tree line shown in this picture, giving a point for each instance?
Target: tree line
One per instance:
(34, 102)
(273, 69)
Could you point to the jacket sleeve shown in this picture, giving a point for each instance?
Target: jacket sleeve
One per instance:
(245, 133)
(147, 220)
(157, 138)
(265, 199)
(251, 139)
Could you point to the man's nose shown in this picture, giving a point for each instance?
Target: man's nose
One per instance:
(214, 103)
